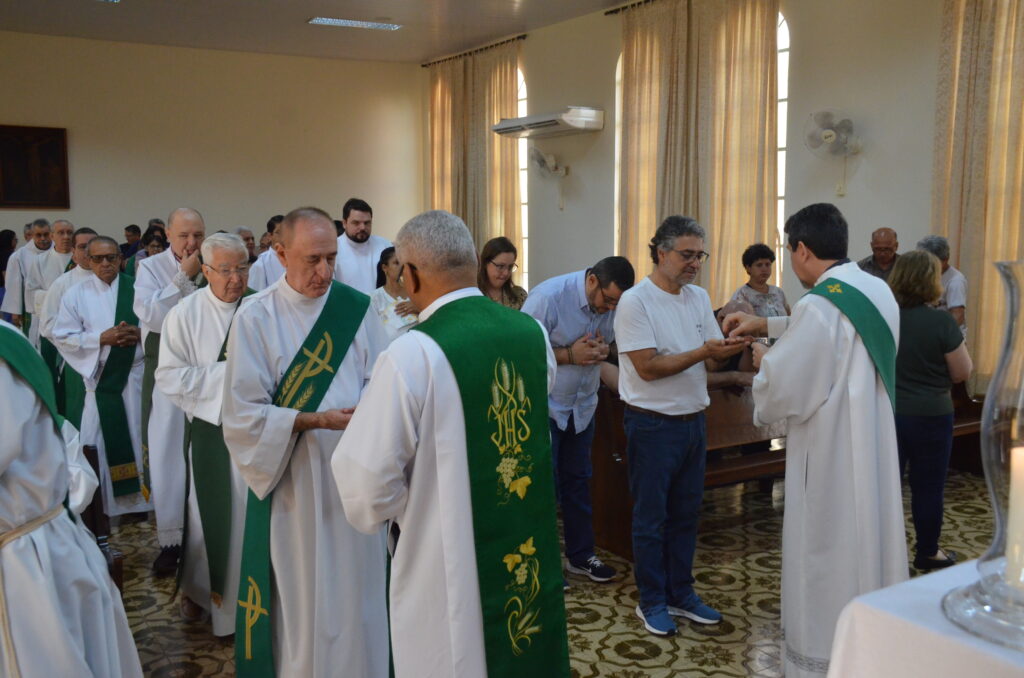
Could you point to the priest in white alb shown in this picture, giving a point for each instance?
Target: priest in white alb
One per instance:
(298, 356)
(450, 447)
(191, 375)
(45, 269)
(831, 376)
(161, 281)
(16, 300)
(97, 334)
(60, 613)
(358, 249)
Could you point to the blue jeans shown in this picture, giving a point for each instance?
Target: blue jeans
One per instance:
(570, 456)
(666, 478)
(925, 444)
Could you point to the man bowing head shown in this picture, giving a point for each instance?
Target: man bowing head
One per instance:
(450, 442)
(311, 592)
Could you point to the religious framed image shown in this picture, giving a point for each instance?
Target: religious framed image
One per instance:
(34, 167)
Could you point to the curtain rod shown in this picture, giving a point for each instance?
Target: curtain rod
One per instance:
(633, 5)
(473, 51)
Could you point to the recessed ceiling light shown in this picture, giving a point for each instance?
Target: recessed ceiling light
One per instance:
(350, 23)
(110, 1)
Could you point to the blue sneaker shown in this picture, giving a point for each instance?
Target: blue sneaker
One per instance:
(658, 623)
(696, 610)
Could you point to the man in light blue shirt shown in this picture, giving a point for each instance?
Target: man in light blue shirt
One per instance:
(577, 310)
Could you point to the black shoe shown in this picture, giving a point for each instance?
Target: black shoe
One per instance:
(593, 568)
(166, 563)
(932, 563)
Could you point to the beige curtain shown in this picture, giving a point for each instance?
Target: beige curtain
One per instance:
(473, 171)
(979, 159)
(699, 128)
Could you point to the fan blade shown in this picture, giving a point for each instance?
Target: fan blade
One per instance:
(823, 119)
(814, 139)
(844, 127)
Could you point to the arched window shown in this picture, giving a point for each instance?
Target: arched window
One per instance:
(524, 249)
(782, 37)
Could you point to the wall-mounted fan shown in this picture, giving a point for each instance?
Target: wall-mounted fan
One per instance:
(829, 133)
(548, 165)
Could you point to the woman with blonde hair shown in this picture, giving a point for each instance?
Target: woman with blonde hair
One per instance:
(494, 278)
(932, 356)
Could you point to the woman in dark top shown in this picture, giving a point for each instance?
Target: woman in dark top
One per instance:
(497, 264)
(932, 356)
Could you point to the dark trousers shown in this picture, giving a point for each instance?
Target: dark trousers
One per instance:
(925, 444)
(666, 478)
(570, 456)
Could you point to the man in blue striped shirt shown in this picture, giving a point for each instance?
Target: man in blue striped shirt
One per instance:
(577, 310)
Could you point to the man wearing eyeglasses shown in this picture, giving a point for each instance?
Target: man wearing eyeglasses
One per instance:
(161, 281)
(191, 374)
(578, 310)
(668, 339)
(98, 336)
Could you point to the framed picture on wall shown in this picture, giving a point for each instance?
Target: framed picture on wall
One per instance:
(34, 167)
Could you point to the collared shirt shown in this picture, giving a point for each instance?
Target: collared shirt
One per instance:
(560, 305)
(868, 265)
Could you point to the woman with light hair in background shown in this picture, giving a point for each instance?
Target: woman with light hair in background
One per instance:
(932, 356)
(497, 264)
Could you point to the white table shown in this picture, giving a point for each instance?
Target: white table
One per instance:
(901, 632)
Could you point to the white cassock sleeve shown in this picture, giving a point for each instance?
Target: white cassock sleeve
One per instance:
(796, 373)
(81, 349)
(34, 283)
(197, 390)
(48, 312)
(82, 482)
(153, 300)
(13, 281)
(258, 433)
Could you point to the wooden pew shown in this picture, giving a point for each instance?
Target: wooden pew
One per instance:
(729, 425)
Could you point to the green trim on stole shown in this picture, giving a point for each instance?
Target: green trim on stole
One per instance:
(498, 356)
(74, 395)
(210, 465)
(117, 439)
(870, 326)
(23, 359)
(302, 387)
(52, 359)
(129, 266)
(151, 357)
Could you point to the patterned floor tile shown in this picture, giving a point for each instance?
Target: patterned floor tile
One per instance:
(737, 571)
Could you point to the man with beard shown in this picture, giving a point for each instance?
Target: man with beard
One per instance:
(358, 249)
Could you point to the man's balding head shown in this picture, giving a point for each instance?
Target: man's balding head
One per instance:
(884, 245)
(185, 231)
(307, 248)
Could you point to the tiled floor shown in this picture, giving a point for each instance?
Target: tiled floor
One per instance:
(737, 570)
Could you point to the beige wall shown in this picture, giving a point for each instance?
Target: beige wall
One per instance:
(875, 59)
(239, 136)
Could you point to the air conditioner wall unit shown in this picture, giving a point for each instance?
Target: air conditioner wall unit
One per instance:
(573, 120)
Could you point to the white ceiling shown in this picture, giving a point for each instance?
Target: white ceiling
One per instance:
(431, 28)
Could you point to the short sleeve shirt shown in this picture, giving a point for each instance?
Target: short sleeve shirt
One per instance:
(922, 377)
(649, 317)
(766, 305)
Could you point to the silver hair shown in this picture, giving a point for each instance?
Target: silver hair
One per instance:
(237, 230)
(935, 244)
(62, 221)
(222, 241)
(439, 240)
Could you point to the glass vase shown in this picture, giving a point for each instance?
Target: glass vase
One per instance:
(993, 606)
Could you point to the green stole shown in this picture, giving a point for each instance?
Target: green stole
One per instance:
(23, 359)
(211, 474)
(151, 357)
(73, 387)
(498, 358)
(870, 326)
(52, 359)
(129, 266)
(124, 473)
(302, 387)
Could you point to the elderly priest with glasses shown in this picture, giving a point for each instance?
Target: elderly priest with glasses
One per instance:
(450, 445)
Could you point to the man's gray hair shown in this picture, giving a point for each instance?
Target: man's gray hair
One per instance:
(935, 244)
(62, 221)
(222, 241)
(673, 227)
(238, 230)
(439, 240)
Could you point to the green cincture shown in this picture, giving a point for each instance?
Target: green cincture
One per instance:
(303, 387)
(870, 326)
(499, 359)
(120, 455)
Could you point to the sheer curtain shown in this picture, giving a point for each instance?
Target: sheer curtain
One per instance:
(979, 159)
(699, 128)
(474, 173)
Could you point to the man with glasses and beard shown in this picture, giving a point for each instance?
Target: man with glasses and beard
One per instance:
(668, 339)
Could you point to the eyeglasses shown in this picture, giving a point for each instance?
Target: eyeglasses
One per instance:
(511, 268)
(100, 258)
(228, 272)
(608, 300)
(690, 255)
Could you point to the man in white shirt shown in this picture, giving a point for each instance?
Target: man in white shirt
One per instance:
(267, 269)
(668, 338)
(161, 281)
(358, 249)
(16, 300)
(44, 270)
(954, 284)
